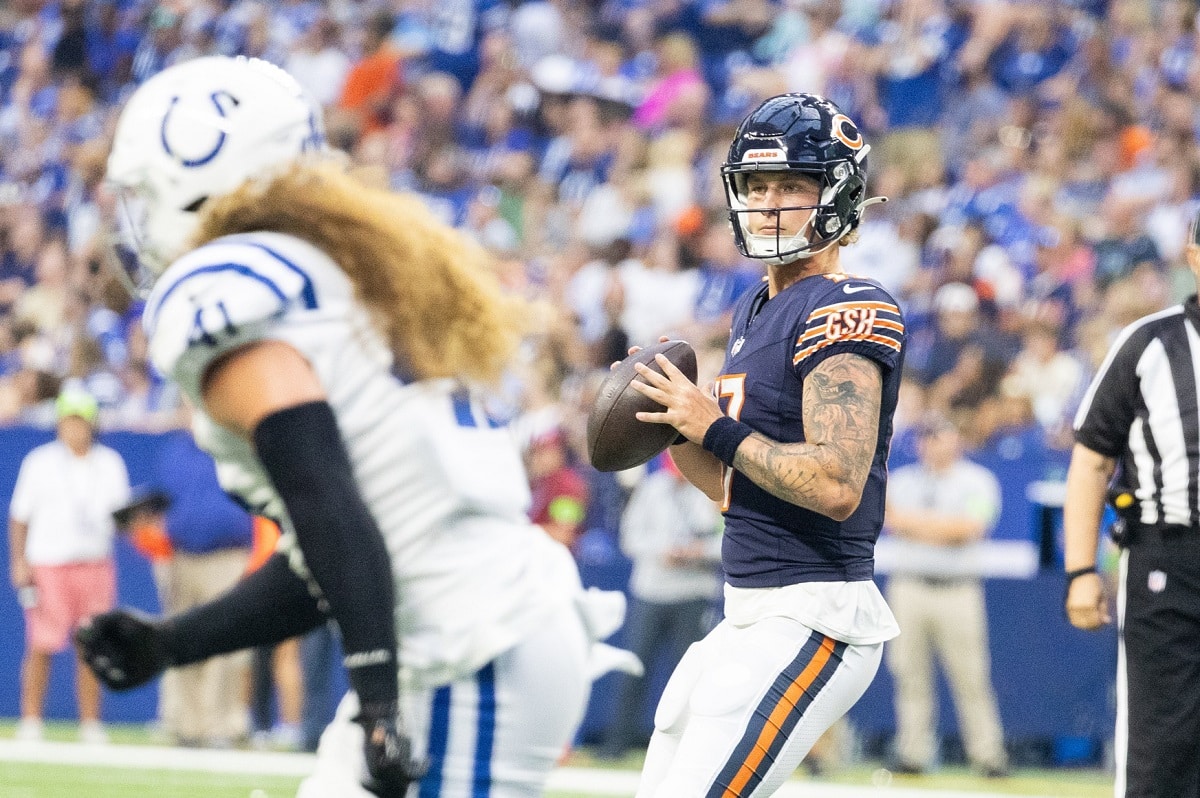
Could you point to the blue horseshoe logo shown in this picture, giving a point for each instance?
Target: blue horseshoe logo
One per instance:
(190, 163)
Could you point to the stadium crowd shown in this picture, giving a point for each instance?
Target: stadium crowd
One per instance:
(1040, 159)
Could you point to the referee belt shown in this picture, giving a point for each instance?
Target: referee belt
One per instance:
(1131, 533)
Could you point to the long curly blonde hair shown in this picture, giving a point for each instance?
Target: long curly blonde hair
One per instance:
(429, 290)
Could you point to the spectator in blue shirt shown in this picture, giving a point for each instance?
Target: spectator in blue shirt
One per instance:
(111, 44)
(1036, 49)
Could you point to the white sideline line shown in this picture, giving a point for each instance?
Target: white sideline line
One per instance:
(585, 780)
(147, 757)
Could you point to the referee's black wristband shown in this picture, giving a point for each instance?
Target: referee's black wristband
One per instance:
(1078, 572)
(723, 438)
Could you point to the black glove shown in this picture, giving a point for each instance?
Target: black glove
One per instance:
(388, 751)
(124, 648)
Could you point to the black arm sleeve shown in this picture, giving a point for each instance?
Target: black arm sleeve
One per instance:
(267, 607)
(302, 451)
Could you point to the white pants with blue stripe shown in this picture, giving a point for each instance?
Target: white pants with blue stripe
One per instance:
(495, 734)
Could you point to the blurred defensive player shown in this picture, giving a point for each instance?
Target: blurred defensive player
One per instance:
(794, 446)
(325, 332)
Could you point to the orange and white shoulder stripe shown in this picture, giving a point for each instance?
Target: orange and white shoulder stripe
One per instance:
(867, 321)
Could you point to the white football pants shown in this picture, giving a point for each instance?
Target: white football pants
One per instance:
(495, 734)
(746, 704)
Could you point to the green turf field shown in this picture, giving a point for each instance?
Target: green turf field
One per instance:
(56, 781)
(31, 779)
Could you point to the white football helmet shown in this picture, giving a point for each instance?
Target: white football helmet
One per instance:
(197, 130)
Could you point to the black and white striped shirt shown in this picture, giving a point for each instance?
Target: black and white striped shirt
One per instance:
(1142, 408)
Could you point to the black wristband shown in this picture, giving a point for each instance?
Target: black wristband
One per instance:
(375, 684)
(1078, 572)
(724, 436)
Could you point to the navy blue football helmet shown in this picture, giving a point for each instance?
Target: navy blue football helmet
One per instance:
(803, 133)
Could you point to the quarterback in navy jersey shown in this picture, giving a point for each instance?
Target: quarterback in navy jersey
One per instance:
(794, 446)
(775, 347)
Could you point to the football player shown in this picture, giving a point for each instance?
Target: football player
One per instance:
(326, 331)
(794, 446)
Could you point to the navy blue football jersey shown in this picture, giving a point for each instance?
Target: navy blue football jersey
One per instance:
(773, 346)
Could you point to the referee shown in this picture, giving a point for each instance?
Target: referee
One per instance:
(1140, 420)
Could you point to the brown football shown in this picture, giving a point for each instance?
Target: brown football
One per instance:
(616, 439)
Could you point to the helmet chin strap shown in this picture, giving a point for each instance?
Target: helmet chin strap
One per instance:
(764, 248)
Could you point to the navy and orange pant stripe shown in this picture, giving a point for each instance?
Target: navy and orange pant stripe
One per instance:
(776, 715)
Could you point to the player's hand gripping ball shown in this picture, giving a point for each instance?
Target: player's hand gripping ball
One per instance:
(616, 439)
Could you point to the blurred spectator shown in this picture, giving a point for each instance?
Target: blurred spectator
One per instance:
(60, 553)
(538, 29)
(438, 98)
(668, 180)
(912, 405)
(318, 61)
(672, 532)
(320, 660)
(161, 44)
(969, 123)
(44, 306)
(111, 44)
(962, 362)
(275, 683)
(442, 181)
(1037, 47)
(1124, 245)
(595, 293)
(10, 357)
(725, 31)
(560, 494)
(373, 80)
(657, 296)
(455, 29)
(210, 538)
(1049, 376)
(889, 244)
(70, 54)
(810, 67)
(677, 80)
(724, 274)
(936, 509)
(147, 402)
(914, 44)
(25, 394)
(581, 158)
(21, 238)
(277, 697)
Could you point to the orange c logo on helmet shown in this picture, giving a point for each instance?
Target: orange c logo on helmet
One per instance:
(845, 131)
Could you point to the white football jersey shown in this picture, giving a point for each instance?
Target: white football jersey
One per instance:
(446, 486)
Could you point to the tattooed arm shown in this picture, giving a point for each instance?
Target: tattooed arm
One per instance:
(827, 472)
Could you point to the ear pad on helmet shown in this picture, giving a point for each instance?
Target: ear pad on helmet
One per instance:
(845, 206)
